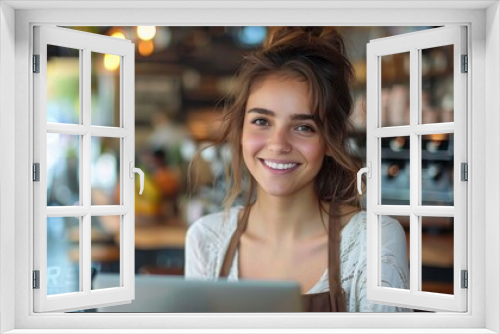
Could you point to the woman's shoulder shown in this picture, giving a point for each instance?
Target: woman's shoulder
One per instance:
(355, 237)
(355, 231)
(359, 221)
(206, 240)
(391, 224)
(217, 225)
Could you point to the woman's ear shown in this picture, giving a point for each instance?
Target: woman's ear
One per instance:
(329, 152)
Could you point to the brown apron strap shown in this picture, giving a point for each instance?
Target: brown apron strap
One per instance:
(233, 243)
(337, 297)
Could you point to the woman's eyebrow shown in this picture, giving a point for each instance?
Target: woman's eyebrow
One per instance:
(295, 117)
(261, 111)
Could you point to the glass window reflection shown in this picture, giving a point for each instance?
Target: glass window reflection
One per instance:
(63, 85)
(105, 171)
(63, 169)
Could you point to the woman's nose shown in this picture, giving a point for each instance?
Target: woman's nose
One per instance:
(279, 142)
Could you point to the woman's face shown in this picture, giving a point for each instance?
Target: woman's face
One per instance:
(281, 143)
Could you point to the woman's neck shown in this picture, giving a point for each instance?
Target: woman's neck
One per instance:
(287, 217)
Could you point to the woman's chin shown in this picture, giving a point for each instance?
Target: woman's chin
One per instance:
(277, 191)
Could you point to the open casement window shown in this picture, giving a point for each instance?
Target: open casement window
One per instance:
(421, 139)
(83, 165)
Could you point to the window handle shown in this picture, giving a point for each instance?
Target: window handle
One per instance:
(138, 171)
(368, 171)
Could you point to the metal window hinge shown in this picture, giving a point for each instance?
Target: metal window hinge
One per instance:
(36, 279)
(36, 63)
(465, 279)
(36, 172)
(465, 64)
(464, 171)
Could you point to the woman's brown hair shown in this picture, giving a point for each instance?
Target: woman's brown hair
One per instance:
(317, 56)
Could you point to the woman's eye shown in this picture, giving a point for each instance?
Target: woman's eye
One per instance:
(305, 128)
(260, 121)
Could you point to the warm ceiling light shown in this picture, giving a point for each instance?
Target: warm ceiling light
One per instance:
(439, 136)
(146, 48)
(118, 34)
(146, 33)
(111, 62)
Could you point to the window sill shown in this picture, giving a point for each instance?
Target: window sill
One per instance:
(266, 331)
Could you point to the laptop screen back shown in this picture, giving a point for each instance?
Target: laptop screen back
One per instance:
(156, 293)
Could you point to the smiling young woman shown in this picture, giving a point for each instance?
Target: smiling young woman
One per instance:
(281, 145)
(287, 123)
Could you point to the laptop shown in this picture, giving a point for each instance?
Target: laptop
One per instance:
(175, 294)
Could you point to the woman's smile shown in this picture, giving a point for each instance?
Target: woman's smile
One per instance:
(281, 144)
(279, 167)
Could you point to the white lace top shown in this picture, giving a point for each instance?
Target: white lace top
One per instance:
(208, 238)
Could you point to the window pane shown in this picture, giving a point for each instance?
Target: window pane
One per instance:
(105, 247)
(105, 170)
(105, 89)
(437, 254)
(437, 169)
(437, 84)
(63, 169)
(395, 170)
(63, 255)
(395, 94)
(395, 252)
(63, 85)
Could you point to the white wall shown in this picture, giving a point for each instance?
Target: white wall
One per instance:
(492, 164)
(491, 187)
(7, 125)
(0, 147)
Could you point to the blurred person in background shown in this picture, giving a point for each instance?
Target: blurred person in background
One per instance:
(287, 125)
(167, 136)
(162, 163)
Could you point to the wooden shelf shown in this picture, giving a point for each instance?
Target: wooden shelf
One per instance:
(437, 250)
(438, 287)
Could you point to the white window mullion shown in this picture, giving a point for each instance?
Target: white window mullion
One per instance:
(123, 261)
(108, 210)
(96, 131)
(395, 210)
(104, 131)
(85, 249)
(428, 129)
(392, 131)
(78, 129)
(66, 211)
(415, 172)
(422, 210)
(85, 182)
(373, 157)
(434, 211)
(127, 241)
(67, 129)
(415, 254)
(40, 156)
(80, 211)
(125, 220)
(460, 199)
(85, 99)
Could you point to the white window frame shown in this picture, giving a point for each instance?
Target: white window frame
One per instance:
(86, 44)
(483, 21)
(412, 44)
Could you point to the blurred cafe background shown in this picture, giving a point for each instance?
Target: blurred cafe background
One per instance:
(181, 77)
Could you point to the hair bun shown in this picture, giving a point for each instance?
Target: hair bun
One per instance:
(293, 37)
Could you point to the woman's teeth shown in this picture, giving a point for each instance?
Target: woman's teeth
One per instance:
(275, 165)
